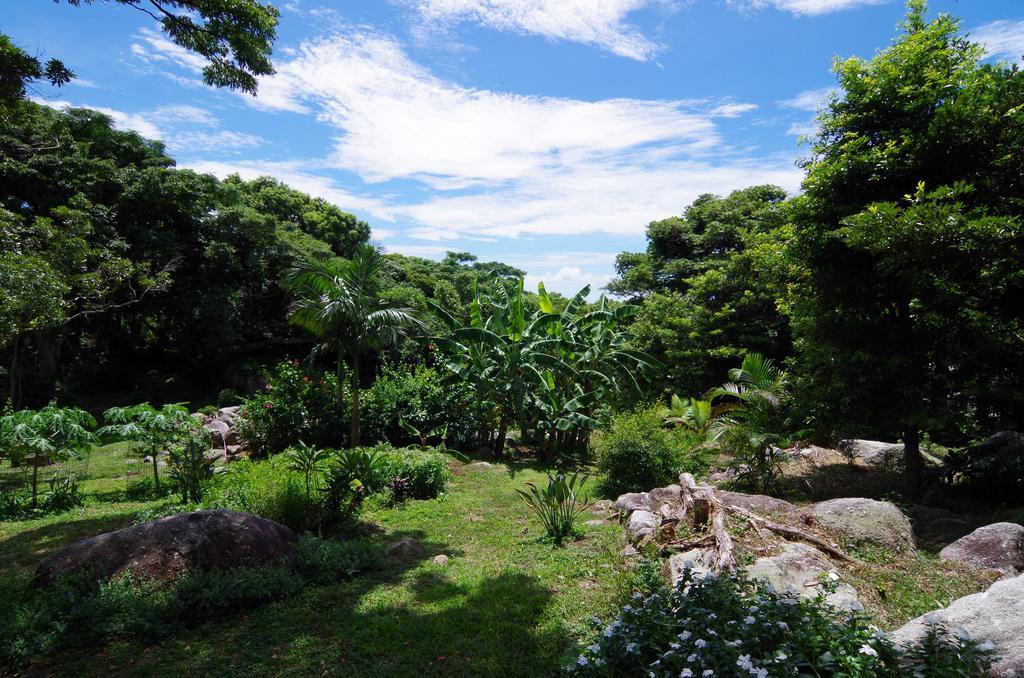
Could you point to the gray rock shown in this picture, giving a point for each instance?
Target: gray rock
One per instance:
(700, 561)
(441, 560)
(478, 466)
(672, 494)
(800, 568)
(602, 506)
(231, 411)
(873, 452)
(634, 501)
(216, 455)
(995, 615)
(219, 431)
(999, 546)
(403, 549)
(866, 521)
(641, 523)
(630, 552)
(757, 503)
(168, 547)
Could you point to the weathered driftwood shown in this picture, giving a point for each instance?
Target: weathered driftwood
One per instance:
(703, 508)
(790, 532)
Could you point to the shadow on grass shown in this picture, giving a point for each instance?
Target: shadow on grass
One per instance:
(409, 618)
(26, 548)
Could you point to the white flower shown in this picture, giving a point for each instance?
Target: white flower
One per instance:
(987, 646)
(753, 609)
(833, 576)
(581, 660)
(686, 673)
(782, 656)
(692, 658)
(685, 635)
(700, 642)
(712, 632)
(749, 620)
(744, 662)
(932, 618)
(594, 648)
(868, 650)
(631, 647)
(784, 626)
(760, 673)
(963, 633)
(608, 631)
(708, 672)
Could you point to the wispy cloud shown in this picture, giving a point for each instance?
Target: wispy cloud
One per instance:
(809, 99)
(1003, 39)
(497, 164)
(601, 24)
(804, 7)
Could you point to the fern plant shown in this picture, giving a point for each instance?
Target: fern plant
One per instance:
(558, 505)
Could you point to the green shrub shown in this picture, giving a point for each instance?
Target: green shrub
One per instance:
(424, 402)
(324, 561)
(636, 453)
(268, 489)
(297, 404)
(426, 473)
(732, 626)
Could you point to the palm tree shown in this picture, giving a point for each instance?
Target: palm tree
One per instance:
(341, 305)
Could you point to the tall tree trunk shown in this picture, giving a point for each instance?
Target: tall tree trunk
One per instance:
(156, 472)
(340, 374)
(913, 463)
(14, 376)
(35, 480)
(354, 435)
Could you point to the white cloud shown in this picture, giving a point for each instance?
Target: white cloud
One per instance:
(568, 280)
(805, 7)
(1003, 39)
(155, 48)
(809, 99)
(601, 24)
(803, 129)
(732, 110)
(499, 164)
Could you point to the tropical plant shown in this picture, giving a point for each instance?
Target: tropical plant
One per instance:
(40, 437)
(342, 305)
(150, 430)
(357, 465)
(558, 505)
(190, 467)
(310, 462)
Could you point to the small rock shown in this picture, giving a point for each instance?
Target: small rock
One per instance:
(215, 455)
(757, 503)
(866, 521)
(634, 501)
(995, 615)
(441, 560)
(603, 506)
(630, 552)
(478, 466)
(641, 524)
(595, 522)
(999, 546)
(403, 549)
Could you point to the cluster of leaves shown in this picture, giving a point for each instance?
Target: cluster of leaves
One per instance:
(79, 611)
(544, 370)
(60, 494)
(733, 626)
(297, 403)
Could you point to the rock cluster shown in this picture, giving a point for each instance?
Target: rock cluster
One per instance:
(999, 546)
(168, 547)
(225, 442)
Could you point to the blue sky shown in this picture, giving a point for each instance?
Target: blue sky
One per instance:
(542, 133)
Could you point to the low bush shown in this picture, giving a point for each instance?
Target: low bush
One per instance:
(416, 408)
(296, 404)
(60, 494)
(425, 473)
(636, 453)
(78, 611)
(732, 626)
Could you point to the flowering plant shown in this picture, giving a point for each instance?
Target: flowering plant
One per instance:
(734, 626)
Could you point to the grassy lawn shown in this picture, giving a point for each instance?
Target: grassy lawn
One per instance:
(507, 603)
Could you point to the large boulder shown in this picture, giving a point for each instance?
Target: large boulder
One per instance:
(995, 615)
(633, 501)
(169, 547)
(999, 546)
(802, 569)
(873, 452)
(866, 521)
(756, 503)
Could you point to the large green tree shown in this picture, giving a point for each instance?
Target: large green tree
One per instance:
(909, 319)
(711, 285)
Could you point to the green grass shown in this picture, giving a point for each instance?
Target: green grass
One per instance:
(508, 603)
